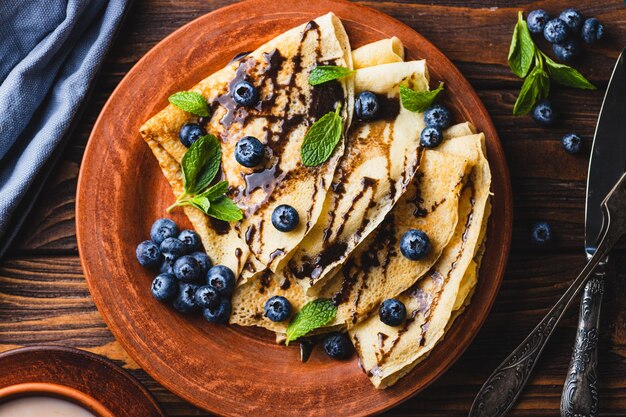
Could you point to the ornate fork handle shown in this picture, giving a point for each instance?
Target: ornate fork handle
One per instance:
(580, 391)
(505, 384)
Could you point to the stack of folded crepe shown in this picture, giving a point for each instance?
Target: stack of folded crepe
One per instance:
(354, 208)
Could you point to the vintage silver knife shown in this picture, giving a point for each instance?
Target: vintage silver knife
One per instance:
(504, 385)
(606, 165)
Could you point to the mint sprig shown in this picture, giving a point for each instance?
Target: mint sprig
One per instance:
(199, 166)
(191, 102)
(418, 101)
(321, 139)
(313, 315)
(324, 73)
(529, 62)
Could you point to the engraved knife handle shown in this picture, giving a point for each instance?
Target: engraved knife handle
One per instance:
(580, 391)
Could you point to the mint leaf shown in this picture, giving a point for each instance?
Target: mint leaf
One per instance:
(536, 87)
(567, 76)
(190, 101)
(201, 163)
(200, 202)
(418, 101)
(522, 48)
(313, 315)
(216, 191)
(324, 73)
(321, 139)
(223, 208)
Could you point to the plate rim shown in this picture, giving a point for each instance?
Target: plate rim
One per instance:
(504, 200)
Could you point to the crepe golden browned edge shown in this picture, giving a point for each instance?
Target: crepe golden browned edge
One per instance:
(380, 160)
(388, 353)
(249, 299)
(330, 44)
(384, 51)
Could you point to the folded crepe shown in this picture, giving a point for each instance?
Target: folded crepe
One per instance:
(388, 353)
(435, 187)
(287, 107)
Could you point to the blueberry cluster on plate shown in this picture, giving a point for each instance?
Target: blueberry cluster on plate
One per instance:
(187, 277)
(565, 31)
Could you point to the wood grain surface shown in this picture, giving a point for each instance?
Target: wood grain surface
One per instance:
(44, 298)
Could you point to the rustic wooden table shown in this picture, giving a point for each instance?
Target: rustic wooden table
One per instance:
(44, 298)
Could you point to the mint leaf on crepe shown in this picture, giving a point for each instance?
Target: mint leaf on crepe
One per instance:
(313, 315)
(191, 102)
(567, 76)
(324, 73)
(418, 101)
(522, 48)
(200, 164)
(216, 191)
(223, 208)
(536, 87)
(321, 139)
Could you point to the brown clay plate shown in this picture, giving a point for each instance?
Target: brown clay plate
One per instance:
(80, 376)
(231, 370)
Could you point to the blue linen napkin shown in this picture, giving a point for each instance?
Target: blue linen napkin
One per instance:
(50, 51)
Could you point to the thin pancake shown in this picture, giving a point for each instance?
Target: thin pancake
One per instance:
(384, 51)
(288, 105)
(431, 301)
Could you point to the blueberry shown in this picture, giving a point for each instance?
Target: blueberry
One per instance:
(543, 113)
(186, 269)
(164, 287)
(222, 279)
(148, 254)
(249, 151)
(185, 301)
(162, 229)
(285, 218)
(190, 132)
(572, 143)
(173, 247)
(207, 297)
(190, 239)
(219, 313)
(277, 308)
(245, 94)
(415, 244)
(556, 31)
(567, 50)
(167, 266)
(537, 20)
(203, 261)
(338, 346)
(366, 105)
(592, 30)
(392, 312)
(573, 19)
(431, 137)
(438, 116)
(542, 233)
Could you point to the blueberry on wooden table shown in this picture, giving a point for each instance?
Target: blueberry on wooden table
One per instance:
(162, 229)
(573, 19)
(220, 313)
(249, 151)
(203, 261)
(245, 94)
(185, 301)
(536, 21)
(572, 143)
(542, 233)
(414, 244)
(543, 113)
(285, 218)
(431, 137)
(164, 287)
(173, 247)
(148, 254)
(438, 116)
(277, 309)
(592, 30)
(556, 31)
(338, 346)
(167, 266)
(392, 312)
(567, 50)
(190, 239)
(366, 105)
(186, 269)
(222, 279)
(206, 296)
(189, 133)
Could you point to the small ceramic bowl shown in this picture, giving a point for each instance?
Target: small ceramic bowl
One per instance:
(37, 389)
